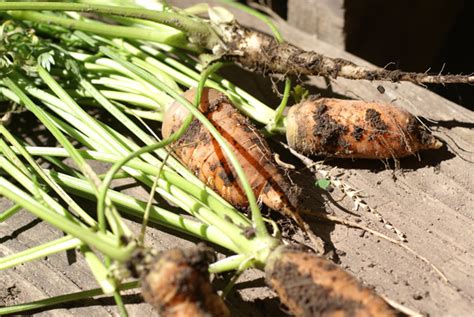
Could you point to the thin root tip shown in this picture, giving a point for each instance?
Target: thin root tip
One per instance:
(437, 144)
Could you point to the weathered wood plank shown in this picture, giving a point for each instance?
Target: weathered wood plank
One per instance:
(323, 19)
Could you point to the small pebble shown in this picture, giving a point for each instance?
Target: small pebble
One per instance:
(417, 297)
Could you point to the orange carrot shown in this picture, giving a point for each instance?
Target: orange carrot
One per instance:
(310, 285)
(177, 284)
(355, 129)
(200, 152)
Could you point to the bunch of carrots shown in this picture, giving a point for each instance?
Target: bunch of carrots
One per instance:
(212, 159)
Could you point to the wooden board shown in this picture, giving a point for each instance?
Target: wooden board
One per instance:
(323, 19)
(431, 199)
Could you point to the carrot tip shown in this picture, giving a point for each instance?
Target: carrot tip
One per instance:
(437, 144)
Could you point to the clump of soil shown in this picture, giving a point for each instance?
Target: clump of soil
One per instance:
(373, 117)
(8, 295)
(328, 130)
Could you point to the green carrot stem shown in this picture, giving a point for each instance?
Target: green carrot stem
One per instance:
(197, 30)
(117, 225)
(135, 208)
(194, 206)
(11, 155)
(51, 301)
(188, 77)
(119, 175)
(61, 193)
(148, 115)
(74, 109)
(103, 191)
(38, 252)
(172, 38)
(30, 105)
(99, 270)
(13, 193)
(171, 178)
(30, 184)
(244, 265)
(277, 125)
(120, 305)
(132, 98)
(4, 215)
(149, 203)
(229, 263)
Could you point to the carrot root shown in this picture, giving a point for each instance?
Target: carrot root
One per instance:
(259, 52)
(201, 153)
(177, 284)
(355, 129)
(310, 285)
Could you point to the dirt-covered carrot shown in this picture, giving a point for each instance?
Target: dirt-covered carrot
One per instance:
(310, 285)
(177, 284)
(198, 150)
(355, 129)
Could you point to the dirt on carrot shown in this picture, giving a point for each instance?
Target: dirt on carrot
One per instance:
(310, 285)
(176, 283)
(200, 152)
(355, 129)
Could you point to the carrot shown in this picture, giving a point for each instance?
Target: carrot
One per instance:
(355, 129)
(200, 152)
(310, 285)
(177, 284)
